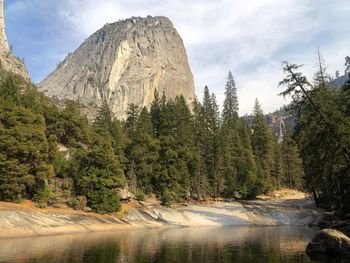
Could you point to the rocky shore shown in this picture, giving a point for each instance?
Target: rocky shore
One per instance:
(25, 219)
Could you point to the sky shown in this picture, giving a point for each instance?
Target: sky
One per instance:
(249, 38)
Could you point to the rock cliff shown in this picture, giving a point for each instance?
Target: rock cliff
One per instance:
(8, 61)
(124, 63)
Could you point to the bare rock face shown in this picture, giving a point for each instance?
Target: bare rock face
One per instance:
(14, 64)
(124, 63)
(8, 61)
(329, 242)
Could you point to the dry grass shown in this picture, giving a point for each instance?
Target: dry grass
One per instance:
(29, 206)
(283, 194)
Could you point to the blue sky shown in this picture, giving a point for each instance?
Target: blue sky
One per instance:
(250, 38)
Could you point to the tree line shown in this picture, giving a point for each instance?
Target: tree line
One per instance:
(175, 150)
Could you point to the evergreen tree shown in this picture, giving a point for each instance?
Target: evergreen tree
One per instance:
(262, 143)
(247, 165)
(277, 165)
(106, 125)
(155, 112)
(322, 132)
(131, 120)
(230, 107)
(210, 140)
(97, 175)
(230, 148)
(144, 122)
(103, 121)
(200, 183)
(321, 78)
(209, 126)
(70, 128)
(142, 154)
(24, 153)
(347, 64)
(292, 164)
(176, 151)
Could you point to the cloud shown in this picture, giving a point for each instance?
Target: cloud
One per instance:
(250, 38)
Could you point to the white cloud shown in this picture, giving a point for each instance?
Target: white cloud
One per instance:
(251, 38)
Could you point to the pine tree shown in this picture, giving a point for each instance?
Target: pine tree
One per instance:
(230, 107)
(103, 121)
(24, 152)
(97, 174)
(105, 125)
(247, 166)
(322, 133)
(347, 64)
(200, 182)
(262, 143)
(144, 122)
(131, 120)
(291, 161)
(176, 153)
(142, 154)
(321, 78)
(155, 112)
(277, 171)
(215, 126)
(210, 139)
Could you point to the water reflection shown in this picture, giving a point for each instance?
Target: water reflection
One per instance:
(225, 244)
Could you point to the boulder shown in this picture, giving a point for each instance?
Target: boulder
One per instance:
(87, 209)
(125, 194)
(197, 197)
(237, 195)
(329, 242)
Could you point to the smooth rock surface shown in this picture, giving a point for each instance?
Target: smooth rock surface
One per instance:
(124, 63)
(26, 220)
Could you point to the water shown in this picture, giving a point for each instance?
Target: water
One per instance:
(225, 244)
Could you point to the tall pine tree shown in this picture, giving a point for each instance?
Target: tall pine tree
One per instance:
(262, 142)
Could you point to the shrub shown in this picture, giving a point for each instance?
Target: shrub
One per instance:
(140, 196)
(168, 197)
(79, 202)
(43, 196)
(104, 201)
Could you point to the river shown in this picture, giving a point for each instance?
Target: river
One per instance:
(193, 244)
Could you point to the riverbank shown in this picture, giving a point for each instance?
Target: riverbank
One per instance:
(284, 207)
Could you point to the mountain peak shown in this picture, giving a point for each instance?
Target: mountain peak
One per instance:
(124, 63)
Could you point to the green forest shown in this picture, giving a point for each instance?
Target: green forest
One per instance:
(174, 150)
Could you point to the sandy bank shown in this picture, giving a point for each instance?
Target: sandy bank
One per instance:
(294, 208)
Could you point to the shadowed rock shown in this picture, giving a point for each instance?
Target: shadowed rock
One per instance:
(329, 242)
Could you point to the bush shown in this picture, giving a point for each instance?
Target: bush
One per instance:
(252, 191)
(140, 196)
(43, 196)
(168, 197)
(78, 203)
(104, 201)
(62, 189)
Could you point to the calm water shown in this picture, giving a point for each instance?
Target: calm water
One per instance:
(225, 244)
